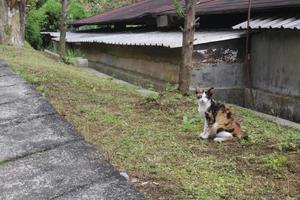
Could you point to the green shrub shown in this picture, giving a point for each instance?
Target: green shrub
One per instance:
(45, 17)
(76, 11)
(34, 21)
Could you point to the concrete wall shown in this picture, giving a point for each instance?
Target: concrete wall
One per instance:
(220, 65)
(139, 65)
(275, 64)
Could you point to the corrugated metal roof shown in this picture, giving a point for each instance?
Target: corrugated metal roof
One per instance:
(133, 11)
(164, 39)
(270, 22)
(160, 7)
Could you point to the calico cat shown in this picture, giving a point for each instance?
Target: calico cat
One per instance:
(220, 122)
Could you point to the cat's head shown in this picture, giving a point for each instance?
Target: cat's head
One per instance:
(204, 96)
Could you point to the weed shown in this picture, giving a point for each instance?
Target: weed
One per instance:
(188, 122)
(275, 161)
(150, 86)
(151, 97)
(171, 88)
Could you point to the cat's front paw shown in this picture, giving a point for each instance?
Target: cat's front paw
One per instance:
(219, 140)
(203, 136)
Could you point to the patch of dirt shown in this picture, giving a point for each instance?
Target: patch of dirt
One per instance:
(293, 167)
(155, 189)
(189, 138)
(119, 133)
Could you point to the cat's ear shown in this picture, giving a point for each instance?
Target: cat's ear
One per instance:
(198, 90)
(210, 91)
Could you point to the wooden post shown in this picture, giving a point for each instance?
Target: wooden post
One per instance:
(187, 47)
(63, 28)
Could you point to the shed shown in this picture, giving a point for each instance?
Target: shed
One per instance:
(150, 55)
(275, 64)
(153, 58)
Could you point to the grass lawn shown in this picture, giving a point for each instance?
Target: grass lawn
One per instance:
(154, 139)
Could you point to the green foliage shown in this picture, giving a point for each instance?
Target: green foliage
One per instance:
(76, 10)
(178, 7)
(27, 45)
(51, 9)
(71, 55)
(46, 16)
(34, 21)
(95, 10)
(151, 97)
(189, 122)
(171, 88)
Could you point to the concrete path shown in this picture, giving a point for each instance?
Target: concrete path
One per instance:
(43, 157)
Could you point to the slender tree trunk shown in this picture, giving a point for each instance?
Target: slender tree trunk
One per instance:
(187, 47)
(22, 10)
(63, 28)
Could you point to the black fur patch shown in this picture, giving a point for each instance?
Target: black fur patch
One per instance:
(229, 115)
(230, 130)
(220, 130)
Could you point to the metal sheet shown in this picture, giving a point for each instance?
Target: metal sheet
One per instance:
(164, 39)
(272, 22)
(152, 8)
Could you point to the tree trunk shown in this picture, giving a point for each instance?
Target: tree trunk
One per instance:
(187, 47)
(22, 10)
(63, 28)
(12, 22)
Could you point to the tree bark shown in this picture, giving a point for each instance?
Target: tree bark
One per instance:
(187, 47)
(12, 22)
(63, 28)
(22, 10)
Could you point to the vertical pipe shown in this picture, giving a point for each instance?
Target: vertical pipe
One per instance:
(248, 67)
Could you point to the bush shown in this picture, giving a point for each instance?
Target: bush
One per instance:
(34, 21)
(45, 17)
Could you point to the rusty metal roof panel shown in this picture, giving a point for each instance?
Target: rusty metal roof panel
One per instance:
(133, 11)
(271, 22)
(161, 7)
(163, 39)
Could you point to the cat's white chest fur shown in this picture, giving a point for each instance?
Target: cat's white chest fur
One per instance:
(203, 107)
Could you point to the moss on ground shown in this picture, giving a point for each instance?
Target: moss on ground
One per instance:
(155, 140)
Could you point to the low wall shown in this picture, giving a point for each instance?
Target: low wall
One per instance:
(216, 65)
(139, 65)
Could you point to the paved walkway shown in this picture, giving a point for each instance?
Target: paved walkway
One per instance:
(43, 157)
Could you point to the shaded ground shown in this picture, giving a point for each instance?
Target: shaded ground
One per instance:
(43, 157)
(154, 138)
